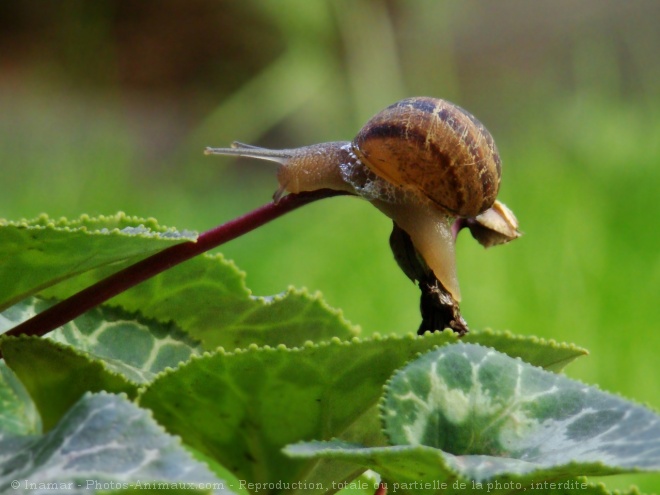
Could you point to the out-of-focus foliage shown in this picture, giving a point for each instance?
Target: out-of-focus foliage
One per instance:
(106, 106)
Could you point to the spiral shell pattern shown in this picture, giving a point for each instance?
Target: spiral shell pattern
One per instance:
(433, 147)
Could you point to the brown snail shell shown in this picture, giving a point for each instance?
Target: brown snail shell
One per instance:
(435, 148)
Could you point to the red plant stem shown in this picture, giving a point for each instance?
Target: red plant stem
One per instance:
(382, 489)
(74, 306)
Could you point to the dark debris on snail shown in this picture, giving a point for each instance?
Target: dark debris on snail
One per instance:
(427, 164)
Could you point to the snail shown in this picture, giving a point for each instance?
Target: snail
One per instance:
(422, 161)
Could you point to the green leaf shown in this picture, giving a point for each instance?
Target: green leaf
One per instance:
(206, 296)
(103, 443)
(128, 344)
(38, 253)
(402, 467)
(474, 412)
(105, 349)
(469, 400)
(548, 354)
(419, 469)
(56, 376)
(241, 408)
(18, 414)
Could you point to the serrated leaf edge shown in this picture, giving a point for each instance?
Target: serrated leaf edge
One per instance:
(315, 296)
(335, 443)
(375, 337)
(63, 224)
(90, 358)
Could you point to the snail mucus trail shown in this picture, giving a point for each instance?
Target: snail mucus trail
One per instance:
(428, 165)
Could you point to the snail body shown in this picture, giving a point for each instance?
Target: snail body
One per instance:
(421, 161)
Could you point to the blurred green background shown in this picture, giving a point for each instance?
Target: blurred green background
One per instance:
(107, 106)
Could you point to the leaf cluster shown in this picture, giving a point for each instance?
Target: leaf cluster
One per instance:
(189, 382)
